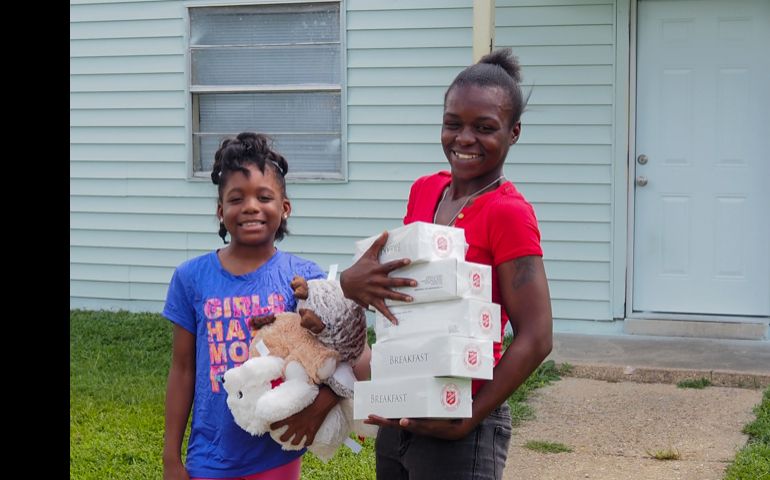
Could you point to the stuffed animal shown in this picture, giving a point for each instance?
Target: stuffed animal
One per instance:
(245, 385)
(252, 398)
(304, 350)
(255, 404)
(285, 337)
(338, 323)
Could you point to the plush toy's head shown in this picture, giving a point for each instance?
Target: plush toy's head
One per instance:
(284, 336)
(338, 323)
(245, 385)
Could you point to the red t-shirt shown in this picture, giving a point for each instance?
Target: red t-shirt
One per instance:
(499, 225)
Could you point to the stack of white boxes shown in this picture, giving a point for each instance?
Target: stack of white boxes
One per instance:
(423, 366)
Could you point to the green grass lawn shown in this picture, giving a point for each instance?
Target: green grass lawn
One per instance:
(118, 367)
(753, 461)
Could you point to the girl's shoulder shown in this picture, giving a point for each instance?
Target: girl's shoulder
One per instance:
(187, 279)
(193, 267)
(298, 265)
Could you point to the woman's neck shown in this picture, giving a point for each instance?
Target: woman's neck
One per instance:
(461, 188)
(243, 259)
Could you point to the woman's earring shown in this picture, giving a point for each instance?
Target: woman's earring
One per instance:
(285, 216)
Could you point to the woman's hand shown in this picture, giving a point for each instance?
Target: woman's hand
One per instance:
(306, 423)
(454, 429)
(366, 282)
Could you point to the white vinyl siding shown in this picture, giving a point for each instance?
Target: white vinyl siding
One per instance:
(127, 125)
(563, 161)
(135, 215)
(401, 56)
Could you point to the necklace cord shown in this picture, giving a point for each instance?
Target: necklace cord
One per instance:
(467, 199)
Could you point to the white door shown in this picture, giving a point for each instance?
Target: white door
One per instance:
(701, 226)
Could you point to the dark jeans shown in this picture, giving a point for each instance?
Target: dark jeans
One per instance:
(480, 455)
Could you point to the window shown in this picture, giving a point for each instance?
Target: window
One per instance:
(273, 69)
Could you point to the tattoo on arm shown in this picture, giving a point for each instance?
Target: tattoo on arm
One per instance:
(525, 271)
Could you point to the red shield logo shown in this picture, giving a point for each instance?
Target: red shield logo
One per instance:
(486, 320)
(476, 281)
(442, 244)
(473, 358)
(450, 396)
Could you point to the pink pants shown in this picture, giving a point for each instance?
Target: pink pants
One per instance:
(290, 471)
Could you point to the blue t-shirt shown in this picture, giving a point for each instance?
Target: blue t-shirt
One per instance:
(215, 306)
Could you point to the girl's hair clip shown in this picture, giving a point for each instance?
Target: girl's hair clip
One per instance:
(277, 166)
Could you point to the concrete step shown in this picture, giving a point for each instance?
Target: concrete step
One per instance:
(746, 330)
(652, 359)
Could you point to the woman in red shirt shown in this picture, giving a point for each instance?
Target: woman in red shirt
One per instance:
(482, 110)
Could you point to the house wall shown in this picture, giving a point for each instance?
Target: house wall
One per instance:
(563, 162)
(135, 215)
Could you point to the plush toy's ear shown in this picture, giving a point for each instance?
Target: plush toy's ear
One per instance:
(299, 285)
(311, 321)
(255, 323)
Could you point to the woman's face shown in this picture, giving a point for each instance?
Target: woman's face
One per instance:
(476, 131)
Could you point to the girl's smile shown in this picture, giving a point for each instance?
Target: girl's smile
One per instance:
(252, 207)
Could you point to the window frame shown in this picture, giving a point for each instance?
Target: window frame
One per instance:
(192, 92)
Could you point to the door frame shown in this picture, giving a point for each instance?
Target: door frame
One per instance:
(630, 6)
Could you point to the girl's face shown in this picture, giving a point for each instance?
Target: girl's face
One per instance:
(252, 207)
(476, 131)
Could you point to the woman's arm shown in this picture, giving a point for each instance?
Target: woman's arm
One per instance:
(527, 301)
(179, 395)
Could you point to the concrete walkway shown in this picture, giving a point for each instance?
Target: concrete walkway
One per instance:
(621, 406)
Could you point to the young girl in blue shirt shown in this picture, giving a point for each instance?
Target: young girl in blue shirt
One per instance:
(210, 299)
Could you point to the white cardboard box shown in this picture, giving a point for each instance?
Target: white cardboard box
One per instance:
(432, 356)
(416, 397)
(418, 241)
(445, 279)
(466, 317)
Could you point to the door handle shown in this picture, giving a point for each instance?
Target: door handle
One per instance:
(641, 180)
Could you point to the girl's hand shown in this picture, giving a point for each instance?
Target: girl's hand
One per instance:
(306, 423)
(175, 471)
(366, 282)
(454, 429)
